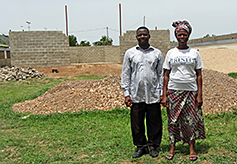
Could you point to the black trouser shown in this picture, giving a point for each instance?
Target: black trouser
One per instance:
(153, 123)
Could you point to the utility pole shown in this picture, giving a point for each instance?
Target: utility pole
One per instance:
(144, 21)
(107, 29)
(120, 20)
(66, 20)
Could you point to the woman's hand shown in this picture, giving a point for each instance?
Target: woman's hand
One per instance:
(165, 101)
(199, 101)
(199, 86)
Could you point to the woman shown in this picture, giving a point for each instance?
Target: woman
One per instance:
(182, 92)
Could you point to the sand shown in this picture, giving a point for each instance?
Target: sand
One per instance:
(221, 60)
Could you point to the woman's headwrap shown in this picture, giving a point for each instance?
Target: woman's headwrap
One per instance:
(182, 25)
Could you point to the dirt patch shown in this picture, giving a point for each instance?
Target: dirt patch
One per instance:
(76, 70)
(221, 60)
(219, 90)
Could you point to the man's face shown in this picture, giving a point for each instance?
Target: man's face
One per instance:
(143, 37)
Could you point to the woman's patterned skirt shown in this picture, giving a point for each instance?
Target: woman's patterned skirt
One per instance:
(185, 120)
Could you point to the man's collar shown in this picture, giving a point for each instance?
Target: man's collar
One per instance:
(149, 48)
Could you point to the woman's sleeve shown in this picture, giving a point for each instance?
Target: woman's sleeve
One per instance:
(167, 61)
(199, 64)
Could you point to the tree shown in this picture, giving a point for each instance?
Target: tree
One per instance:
(207, 36)
(4, 39)
(84, 43)
(103, 41)
(98, 43)
(72, 40)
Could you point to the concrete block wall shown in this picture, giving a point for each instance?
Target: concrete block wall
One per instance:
(51, 48)
(39, 48)
(86, 54)
(209, 39)
(159, 39)
(94, 54)
(112, 54)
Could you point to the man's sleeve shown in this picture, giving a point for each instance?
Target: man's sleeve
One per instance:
(126, 75)
(160, 71)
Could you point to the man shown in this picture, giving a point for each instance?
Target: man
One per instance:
(142, 83)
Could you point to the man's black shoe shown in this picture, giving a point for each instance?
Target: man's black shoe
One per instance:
(139, 153)
(153, 153)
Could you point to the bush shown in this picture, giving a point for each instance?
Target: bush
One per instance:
(233, 74)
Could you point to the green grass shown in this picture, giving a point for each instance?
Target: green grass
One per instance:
(95, 136)
(233, 74)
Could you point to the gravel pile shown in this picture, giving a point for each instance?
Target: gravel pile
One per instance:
(17, 73)
(219, 94)
(72, 96)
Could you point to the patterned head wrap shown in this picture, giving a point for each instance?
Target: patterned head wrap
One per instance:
(182, 25)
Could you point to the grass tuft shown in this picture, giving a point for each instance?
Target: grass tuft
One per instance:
(233, 74)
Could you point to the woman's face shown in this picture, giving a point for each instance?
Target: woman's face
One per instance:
(182, 36)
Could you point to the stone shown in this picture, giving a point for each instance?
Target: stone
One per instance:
(16, 73)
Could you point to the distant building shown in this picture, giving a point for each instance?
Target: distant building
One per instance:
(5, 55)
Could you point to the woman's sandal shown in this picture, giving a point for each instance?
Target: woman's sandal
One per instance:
(193, 157)
(169, 156)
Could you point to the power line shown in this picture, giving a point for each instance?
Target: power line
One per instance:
(88, 30)
(95, 30)
(113, 30)
(135, 24)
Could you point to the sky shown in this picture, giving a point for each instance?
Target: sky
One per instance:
(91, 19)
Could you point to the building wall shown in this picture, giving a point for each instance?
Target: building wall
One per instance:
(39, 48)
(94, 54)
(232, 46)
(212, 40)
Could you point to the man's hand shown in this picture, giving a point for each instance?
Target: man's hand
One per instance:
(128, 101)
(161, 105)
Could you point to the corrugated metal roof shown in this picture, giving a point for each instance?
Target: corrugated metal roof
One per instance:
(3, 45)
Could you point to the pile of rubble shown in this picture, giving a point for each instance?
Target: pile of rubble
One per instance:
(219, 95)
(72, 96)
(16, 73)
